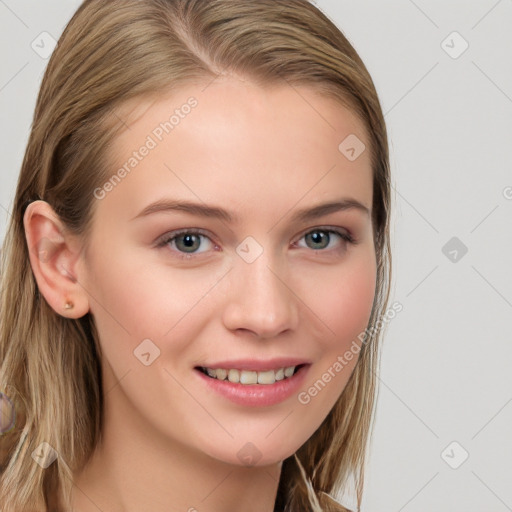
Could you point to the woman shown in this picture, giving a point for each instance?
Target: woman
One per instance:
(198, 250)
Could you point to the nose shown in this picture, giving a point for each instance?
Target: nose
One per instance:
(260, 300)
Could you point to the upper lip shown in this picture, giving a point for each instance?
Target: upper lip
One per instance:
(256, 365)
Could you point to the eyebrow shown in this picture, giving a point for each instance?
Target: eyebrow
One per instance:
(204, 210)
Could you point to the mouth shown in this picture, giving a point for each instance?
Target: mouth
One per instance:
(251, 383)
(250, 377)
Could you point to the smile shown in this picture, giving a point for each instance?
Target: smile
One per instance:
(254, 384)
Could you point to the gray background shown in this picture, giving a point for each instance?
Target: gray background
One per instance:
(445, 364)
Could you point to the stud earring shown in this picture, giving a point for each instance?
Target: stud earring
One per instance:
(69, 305)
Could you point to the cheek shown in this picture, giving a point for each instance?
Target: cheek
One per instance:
(134, 300)
(344, 306)
(345, 301)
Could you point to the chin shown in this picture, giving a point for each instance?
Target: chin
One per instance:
(253, 454)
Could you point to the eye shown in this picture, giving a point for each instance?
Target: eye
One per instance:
(320, 238)
(184, 242)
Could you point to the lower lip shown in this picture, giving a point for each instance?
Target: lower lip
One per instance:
(257, 395)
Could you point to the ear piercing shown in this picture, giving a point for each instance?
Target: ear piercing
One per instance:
(69, 305)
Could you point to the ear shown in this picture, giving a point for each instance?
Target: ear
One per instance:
(55, 256)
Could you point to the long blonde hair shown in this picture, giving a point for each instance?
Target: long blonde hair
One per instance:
(123, 49)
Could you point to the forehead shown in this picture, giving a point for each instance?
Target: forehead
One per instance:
(235, 142)
(231, 99)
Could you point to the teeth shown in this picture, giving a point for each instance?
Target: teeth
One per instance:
(234, 376)
(280, 374)
(220, 374)
(251, 377)
(267, 377)
(288, 372)
(248, 377)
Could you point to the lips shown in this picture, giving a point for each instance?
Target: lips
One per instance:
(249, 383)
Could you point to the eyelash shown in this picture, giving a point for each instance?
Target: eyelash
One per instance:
(169, 237)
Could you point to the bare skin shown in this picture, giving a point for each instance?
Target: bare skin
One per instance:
(170, 443)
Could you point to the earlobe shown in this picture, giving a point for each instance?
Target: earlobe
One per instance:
(54, 257)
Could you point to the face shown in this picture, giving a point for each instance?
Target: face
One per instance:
(246, 281)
